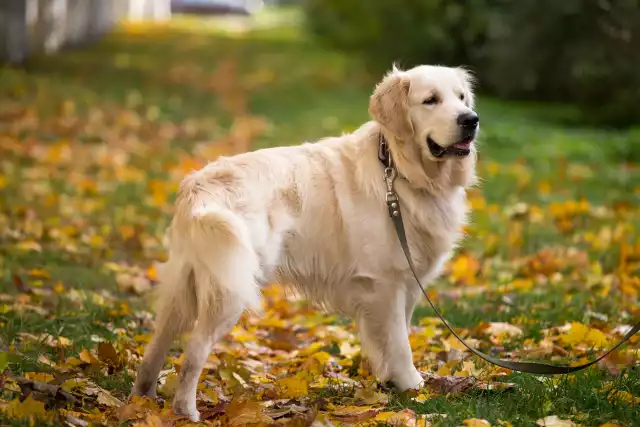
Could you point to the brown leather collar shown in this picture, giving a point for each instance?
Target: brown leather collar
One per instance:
(383, 151)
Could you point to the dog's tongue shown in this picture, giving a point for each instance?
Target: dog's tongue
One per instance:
(464, 145)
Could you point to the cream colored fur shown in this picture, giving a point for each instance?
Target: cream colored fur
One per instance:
(314, 216)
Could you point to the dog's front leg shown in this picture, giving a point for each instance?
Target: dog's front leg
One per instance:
(384, 335)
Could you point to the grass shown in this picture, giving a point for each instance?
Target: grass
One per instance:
(94, 141)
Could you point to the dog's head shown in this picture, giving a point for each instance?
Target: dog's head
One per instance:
(429, 106)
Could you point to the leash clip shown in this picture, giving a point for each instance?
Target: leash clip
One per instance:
(390, 175)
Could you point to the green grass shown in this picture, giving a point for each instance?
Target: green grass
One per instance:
(165, 79)
(579, 398)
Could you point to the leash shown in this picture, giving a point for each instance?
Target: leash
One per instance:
(393, 204)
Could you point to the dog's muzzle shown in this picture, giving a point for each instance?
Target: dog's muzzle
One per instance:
(468, 124)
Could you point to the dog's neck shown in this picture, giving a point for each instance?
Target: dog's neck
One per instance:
(423, 173)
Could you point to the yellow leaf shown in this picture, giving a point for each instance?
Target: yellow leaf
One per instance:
(42, 377)
(476, 422)
(29, 245)
(384, 417)
(370, 396)
(143, 337)
(87, 357)
(126, 231)
(211, 396)
(350, 410)
(322, 356)
(272, 322)
(311, 349)
(37, 273)
(581, 334)
(152, 420)
(423, 397)
(245, 412)
(240, 334)
(293, 387)
(464, 269)
(169, 387)
(319, 382)
(624, 397)
(136, 408)
(30, 407)
(96, 241)
(445, 370)
(453, 343)
(544, 187)
(152, 273)
(58, 287)
(406, 417)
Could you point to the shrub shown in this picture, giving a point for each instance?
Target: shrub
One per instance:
(584, 52)
(437, 31)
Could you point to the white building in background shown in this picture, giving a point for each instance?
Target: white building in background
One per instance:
(29, 26)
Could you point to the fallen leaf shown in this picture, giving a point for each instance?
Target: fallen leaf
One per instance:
(293, 387)
(476, 422)
(369, 396)
(406, 417)
(503, 328)
(170, 385)
(107, 353)
(349, 350)
(554, 421)
(86, 356)
(581, 334)
(449, 384)
(151, 420)
(240, 412)
(25, 409)
(423, 397)
(354, 414)
(29, 245)
(105, 398)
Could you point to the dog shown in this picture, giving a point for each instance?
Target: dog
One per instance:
(314, 216)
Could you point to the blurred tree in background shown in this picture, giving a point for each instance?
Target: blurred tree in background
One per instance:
(585, 52)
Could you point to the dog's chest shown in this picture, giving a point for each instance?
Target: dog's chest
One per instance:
(435, 225)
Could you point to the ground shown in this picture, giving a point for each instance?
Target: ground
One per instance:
(93, 143)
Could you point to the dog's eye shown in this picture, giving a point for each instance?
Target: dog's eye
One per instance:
(432, 100)
(462, 97)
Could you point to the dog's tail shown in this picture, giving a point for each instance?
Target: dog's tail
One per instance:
(211, 257)
(226, 263)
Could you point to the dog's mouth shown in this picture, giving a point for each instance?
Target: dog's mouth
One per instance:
(460, 148)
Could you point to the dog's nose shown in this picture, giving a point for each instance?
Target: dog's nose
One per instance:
(468, 120)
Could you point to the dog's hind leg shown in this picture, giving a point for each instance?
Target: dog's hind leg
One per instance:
(210, 328)
(176, 301)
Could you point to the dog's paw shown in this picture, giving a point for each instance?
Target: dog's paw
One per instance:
(408, 381)
(187, 409)
(143, 390)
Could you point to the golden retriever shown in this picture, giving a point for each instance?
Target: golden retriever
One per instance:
(314, 216)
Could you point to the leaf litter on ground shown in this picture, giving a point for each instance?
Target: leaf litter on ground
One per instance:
(87, 186)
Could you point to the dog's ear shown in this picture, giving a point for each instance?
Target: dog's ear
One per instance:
(468, 81)
(389, 105)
